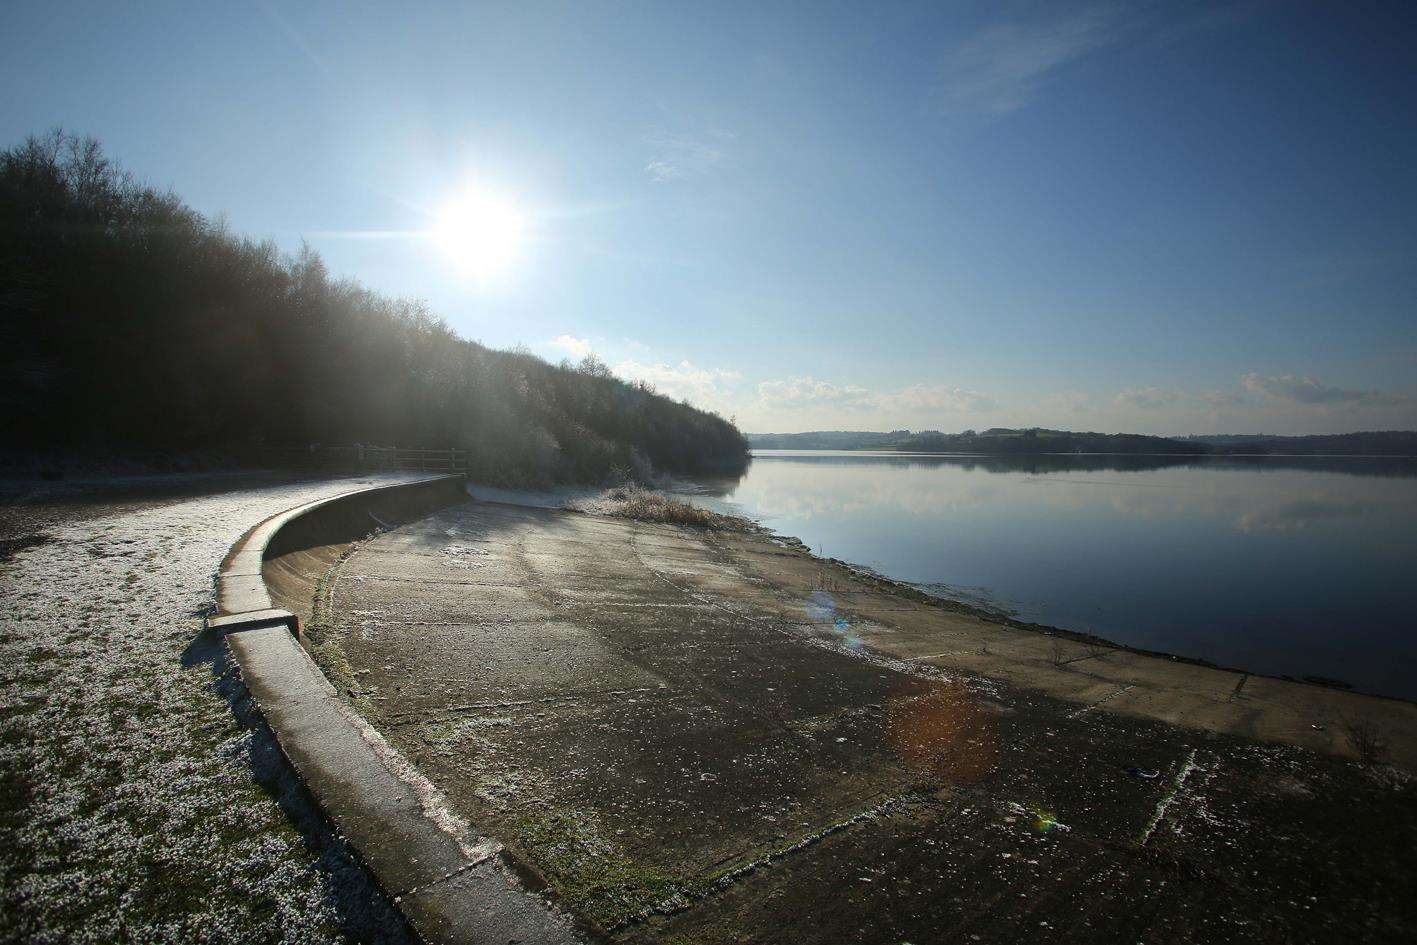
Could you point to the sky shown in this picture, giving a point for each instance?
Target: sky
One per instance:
(1151, 217)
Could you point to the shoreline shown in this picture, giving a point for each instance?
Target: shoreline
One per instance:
(711, 733)
(1195, 631)
(599, 504)
(880, 452)
(865, 572)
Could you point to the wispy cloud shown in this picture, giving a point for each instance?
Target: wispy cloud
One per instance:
(680, 157)
(1002, 67)
(1306, 390)
(1146, 398)
(802, 392)
(923, 397)
(1221, 399)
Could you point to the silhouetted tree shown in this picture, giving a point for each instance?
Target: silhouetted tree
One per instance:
(128, 321)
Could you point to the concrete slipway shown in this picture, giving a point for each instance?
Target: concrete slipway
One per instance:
(541, 725)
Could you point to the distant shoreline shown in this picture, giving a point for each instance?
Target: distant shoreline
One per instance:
(1038, 441)
(887, 452)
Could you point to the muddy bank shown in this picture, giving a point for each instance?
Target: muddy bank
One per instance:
(710, 737)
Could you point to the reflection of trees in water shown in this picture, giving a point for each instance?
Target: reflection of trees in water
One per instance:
(1044, 463)
(721, 484)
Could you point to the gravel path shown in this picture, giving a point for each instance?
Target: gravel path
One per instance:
(141, 799)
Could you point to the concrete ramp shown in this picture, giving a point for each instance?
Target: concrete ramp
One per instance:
(453, 885)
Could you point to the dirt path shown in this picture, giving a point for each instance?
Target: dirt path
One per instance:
(135, 804)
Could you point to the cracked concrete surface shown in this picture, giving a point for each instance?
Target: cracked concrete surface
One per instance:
(713, 738)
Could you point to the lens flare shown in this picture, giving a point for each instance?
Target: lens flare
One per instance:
(821, 608)
(939, 730)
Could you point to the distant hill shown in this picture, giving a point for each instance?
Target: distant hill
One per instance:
(1002, 440)
(996, 440)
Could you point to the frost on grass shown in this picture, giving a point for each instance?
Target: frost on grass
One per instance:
(647, 505)
(141, 798)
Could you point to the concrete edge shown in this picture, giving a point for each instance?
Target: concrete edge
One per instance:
(453, 887)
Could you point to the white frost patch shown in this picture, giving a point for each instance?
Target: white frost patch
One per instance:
(129, 785)
(463, 556)
(434, 804)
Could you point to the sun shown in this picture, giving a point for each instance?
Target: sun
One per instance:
(481, 232)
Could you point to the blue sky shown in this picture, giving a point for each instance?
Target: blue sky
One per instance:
(1159, 217)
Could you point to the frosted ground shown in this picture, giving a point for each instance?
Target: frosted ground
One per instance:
(135, 804)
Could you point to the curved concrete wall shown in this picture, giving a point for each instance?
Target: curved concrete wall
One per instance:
(452, 885)
(307, 545)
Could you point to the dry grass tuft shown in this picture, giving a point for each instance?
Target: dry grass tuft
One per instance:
(644, 505)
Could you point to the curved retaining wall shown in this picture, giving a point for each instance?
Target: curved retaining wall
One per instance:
(452, 885)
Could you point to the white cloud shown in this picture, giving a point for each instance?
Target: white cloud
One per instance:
(703, 387)
(1000, 68)
(576, 347)
(1306, 390)
(808, 391)
(678, 157)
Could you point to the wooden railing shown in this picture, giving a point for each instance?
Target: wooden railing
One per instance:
(378, 457)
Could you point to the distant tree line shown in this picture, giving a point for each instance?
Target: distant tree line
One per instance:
(128, 321)
(992, 441)
(828, 440)
(1036, 440)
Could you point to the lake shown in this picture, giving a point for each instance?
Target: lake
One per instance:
(1299, 566)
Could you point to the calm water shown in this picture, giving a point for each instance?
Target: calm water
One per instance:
(1298, 566)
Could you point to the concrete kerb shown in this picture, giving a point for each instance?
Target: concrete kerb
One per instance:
(453, 886)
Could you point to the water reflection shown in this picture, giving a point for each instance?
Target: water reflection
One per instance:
(1288, 565)
(1295, 515)
(1043, 464)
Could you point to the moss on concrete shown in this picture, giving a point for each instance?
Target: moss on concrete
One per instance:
(588, 873)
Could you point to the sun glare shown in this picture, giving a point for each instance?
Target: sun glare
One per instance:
(480, 232)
